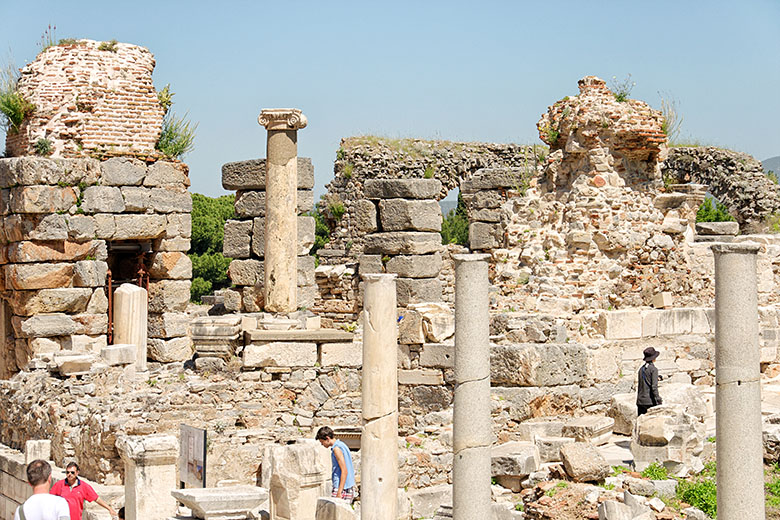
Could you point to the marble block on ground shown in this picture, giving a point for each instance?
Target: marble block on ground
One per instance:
(596, 429)
(225, 503)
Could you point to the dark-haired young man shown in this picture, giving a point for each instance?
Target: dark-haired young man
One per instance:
(41, 505)
(76, 491)
(343, 472)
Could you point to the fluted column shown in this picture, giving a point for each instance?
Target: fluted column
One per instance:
(740, 469)
(281, 207)
(379, 442)
(131, 308)
(472, 423)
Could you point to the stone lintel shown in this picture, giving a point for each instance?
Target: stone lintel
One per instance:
(316, 336)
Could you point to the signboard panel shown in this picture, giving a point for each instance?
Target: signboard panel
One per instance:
(192, 457)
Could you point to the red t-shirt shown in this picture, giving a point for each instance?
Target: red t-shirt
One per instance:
(75, 496)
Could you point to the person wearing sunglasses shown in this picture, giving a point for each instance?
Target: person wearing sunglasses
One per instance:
(76, 491)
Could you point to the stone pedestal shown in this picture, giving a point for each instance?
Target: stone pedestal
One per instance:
(150, 475)
(738, 392)
(295, 476)
(131, 320)
(471, 416)
(225, 503)
(379, 442)
(281, 207)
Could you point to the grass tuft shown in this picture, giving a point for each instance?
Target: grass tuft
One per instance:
(177, 137)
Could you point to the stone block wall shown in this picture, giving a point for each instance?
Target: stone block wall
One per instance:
(244, 236)
(90, 101)
(337, 294)
(484, 194)
(61, 221)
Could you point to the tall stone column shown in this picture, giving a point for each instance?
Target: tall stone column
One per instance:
(379, 442)
(737, 378)
(131, 322)
(150, 475)
(281, 207)
(471, 424)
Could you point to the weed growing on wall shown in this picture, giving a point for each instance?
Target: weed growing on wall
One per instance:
(672, 119)
(110, 46)
(621, 89)
(177, 136)
(13, 106)
(48, 38)
(43, 147)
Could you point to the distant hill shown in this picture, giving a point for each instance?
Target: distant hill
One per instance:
(772, 164)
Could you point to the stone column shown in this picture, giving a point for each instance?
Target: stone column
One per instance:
(131, 320)
(281, 207)
(379, 442)
(471, 422)
(737, 379)
(150, 475)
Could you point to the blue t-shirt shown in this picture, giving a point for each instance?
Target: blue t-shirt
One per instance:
(336, 477)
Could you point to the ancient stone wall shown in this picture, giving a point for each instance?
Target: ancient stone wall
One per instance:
(90, 101)
(66, 223)
(735, 179)
(361, 158)
(244, 240)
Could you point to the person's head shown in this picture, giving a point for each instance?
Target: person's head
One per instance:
(326, 436)
(650, 354)
(121, 513)
(71, 472)
(38, 472)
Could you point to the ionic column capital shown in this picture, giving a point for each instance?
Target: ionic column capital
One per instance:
(282, 119)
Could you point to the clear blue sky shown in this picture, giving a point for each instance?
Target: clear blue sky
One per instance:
(471, 71)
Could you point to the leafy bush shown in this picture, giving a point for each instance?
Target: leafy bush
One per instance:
(177, 136)
(656, 471)
(701, 494)
(455, 225)
(12, 105)
(709, 212)
(209, 266)
(772, 176)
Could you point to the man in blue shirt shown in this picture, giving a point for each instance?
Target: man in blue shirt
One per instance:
(343, 474)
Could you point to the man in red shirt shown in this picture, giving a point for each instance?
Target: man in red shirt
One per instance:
(75, 492)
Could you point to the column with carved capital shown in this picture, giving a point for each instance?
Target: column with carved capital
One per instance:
(281, 207)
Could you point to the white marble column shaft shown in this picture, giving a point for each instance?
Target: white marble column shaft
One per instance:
(471, 416)
(281, 208)
(740, 467)
(131, 322)
(379, 441)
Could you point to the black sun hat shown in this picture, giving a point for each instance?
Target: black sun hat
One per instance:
(650, 354)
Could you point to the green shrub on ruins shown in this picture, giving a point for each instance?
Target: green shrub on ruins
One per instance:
(621, 89)
(43, 147)
(109, 46)
(713, 212)
(177, 136)
(13, 106)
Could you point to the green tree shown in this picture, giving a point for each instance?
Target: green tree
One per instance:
(455, 225)
(209, 266)
(713, 212)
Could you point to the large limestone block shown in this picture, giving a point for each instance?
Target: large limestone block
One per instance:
(171, 265)
(414, 266)
(550, 447)
(222, 502)
(484, 235)
(90, 273)
(595, 429)
(296, 475)
(85, 343)
(164, 173)
(427, 500)
(252, 203)
(103, 199)
(410, 331)
(622, 408)
(169, 295)
(238, 238)
(122, 171)
(98, 302)
(168, 324)
(583, 462)
(73, 364)
(118, 354)
(36, 227)
(668, 435)
(365, 216)
(342, 354)
(305, 235)
(620, 324)
(38, 276)
(401, 188)
(717, 228)
(170, 200)
(514, 459)
(523, 403)
(69, 300)
(136, 198)
(537, 364)
(416, 290)
(91, 324)
(420, 376)
(614, 510)
(137, 227)
(438, 321)
(30, 170)
(41, 199)
(179, 225)
(170, 350)
(24, 252)
(411, 215)
(246, 272)
(437, 355)
(329, 508)
(494, 178)
(403, 243)
(44, 326)
(280, 354)
(172, 244)
(685, 395)
(250, 174)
